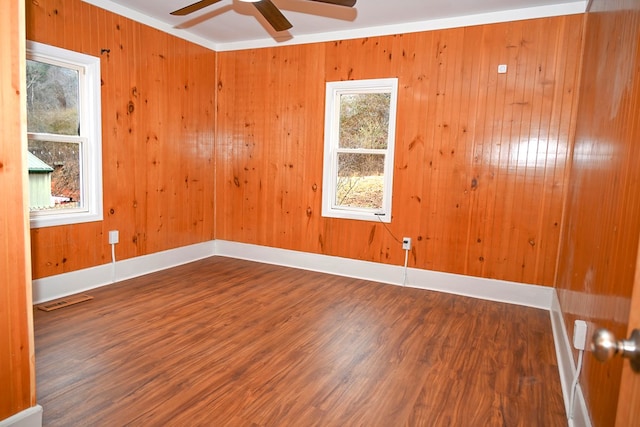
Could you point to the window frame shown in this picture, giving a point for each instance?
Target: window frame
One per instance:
(331, 148)
(89, 140)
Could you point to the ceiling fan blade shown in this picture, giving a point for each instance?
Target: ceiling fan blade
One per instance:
(272, 15)
(194, 7)
(348, 3)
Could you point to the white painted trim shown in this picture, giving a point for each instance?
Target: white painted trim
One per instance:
(60, 285)
(52, 287)
(569, 8)
(49, 288)
(30, 417)
(566, 8)
(476, 287)
(151, 22)
(567, 367)
(146, 264)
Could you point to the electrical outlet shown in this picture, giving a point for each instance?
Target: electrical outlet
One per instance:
(113, 237)
(406, 243)
(579, 334)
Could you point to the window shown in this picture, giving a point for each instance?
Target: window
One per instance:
(358, 149)
(64, 136)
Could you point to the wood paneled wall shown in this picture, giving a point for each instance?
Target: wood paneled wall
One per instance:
(600, 239)
(481, 158)
(480, 163)
(17, 376)
(157, 123)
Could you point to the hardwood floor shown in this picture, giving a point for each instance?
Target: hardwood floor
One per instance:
(227, 342)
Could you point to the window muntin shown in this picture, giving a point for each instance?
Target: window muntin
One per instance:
(359, 147)
(64, 133)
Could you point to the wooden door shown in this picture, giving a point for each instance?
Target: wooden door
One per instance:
(629, 398)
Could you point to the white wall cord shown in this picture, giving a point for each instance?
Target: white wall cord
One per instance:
(113, 263)
(406, 251)
(574, 385)
(406, 261)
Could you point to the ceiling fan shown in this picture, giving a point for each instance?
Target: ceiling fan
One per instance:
(266, 7)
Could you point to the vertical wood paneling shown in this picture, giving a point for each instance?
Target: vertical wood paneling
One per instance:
(17, 376)
(481, 158)
(266, 151)
(600, 239)
(158, 120)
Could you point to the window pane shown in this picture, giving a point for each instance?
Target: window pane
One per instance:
(360, 180)
(359, 144)
(52, 99)
(54, 175)
(364, 120)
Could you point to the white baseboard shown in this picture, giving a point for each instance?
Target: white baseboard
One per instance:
(61, 285)
(476, 287)
(49, 288)
(567, 367)
(30, 417)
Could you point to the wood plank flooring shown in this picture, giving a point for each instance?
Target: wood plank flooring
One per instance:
(224, 342)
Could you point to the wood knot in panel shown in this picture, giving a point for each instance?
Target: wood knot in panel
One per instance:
(372, 234)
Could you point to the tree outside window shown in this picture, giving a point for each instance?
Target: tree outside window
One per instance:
(52, 109)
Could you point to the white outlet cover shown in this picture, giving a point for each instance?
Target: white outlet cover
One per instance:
(502, 69)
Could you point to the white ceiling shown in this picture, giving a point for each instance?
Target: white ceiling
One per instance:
(233, 24)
